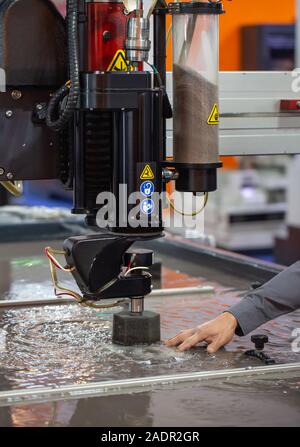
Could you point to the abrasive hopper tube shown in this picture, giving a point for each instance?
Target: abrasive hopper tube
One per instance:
(196, 95)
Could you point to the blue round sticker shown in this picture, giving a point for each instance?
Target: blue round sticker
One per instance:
(147, 206)
(147, 188)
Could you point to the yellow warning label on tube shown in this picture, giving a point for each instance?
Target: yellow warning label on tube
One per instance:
(214, 118)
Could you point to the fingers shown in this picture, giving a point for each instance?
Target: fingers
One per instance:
(219, 341)
(199, 336)
(215, 345)
(179, 338)
(216, 333)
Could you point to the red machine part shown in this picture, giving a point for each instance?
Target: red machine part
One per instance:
(106, 30)
(289, 104)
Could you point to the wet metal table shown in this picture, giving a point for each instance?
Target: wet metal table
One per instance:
(58, 366)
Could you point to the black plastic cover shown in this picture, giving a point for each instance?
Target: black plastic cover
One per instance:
(196, 8)
(33, 53)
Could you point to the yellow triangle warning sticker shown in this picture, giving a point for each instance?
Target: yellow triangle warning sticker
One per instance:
(214, 115)
(119, 62)
(147, 173)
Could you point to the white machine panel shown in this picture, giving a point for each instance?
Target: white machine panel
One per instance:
(251, 120)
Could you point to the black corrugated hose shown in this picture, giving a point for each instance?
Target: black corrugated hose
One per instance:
(71, 89)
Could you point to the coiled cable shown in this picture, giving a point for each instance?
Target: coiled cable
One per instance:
(57, 119)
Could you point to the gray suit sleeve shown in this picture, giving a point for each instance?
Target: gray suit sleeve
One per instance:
(277, 297)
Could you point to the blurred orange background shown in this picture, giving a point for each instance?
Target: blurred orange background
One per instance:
(246, 12)
(249, 12)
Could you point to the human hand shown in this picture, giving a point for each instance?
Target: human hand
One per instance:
(215, 333)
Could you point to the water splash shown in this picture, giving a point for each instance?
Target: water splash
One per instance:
(66, 344)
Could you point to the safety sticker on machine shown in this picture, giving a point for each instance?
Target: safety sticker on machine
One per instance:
(147, 206)
(147, 188)
(119, 62)
(147, 173)
(213, 118)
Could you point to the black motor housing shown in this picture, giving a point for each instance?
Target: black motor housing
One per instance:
(118, 140)
(34, 57)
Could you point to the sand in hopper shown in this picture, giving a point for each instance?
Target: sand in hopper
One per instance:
(195, 141)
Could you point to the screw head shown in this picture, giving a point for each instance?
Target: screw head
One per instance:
(16, 94)
(259, 340)
(106, 36)
(2, 171)
(39, 107)
(9, 176)
(9, 113)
